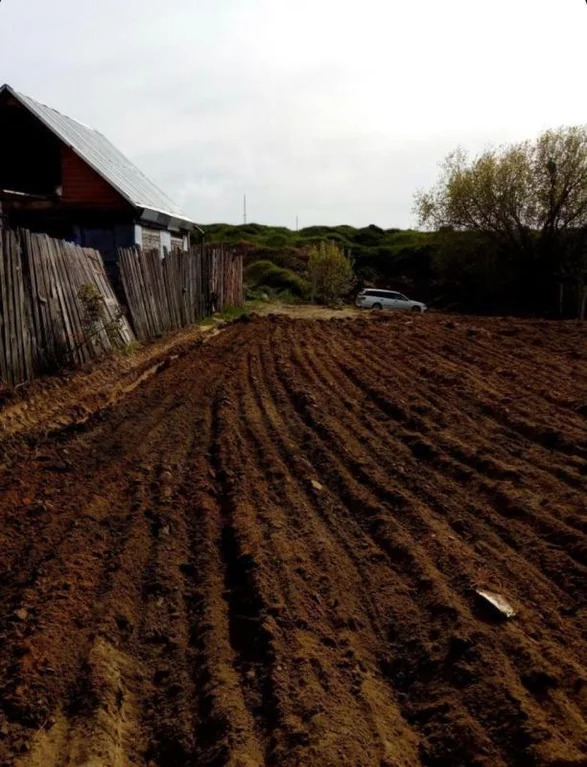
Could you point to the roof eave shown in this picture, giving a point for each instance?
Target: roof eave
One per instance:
(164, 220)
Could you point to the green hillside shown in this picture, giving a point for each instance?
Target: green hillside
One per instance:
(463, 271)
(391, 258)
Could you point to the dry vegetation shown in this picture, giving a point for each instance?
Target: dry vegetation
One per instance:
(267, 554)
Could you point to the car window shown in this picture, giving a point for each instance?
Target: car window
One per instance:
(402, 297)
(389, 294)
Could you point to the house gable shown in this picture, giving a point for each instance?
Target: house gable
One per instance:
(83, 187)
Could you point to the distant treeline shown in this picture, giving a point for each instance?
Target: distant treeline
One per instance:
(463, 271)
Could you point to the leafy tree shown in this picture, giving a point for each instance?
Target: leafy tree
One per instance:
(331, 272)
(528, 198)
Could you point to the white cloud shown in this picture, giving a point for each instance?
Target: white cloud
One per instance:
(335, 111)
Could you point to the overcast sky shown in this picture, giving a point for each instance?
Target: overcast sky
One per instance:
(331, 110)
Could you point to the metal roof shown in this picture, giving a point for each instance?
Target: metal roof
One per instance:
(106, 160)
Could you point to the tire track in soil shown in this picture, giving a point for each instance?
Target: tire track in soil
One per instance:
(267, 554)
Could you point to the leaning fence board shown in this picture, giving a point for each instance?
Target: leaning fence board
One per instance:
(42, 318)
(94, 343)
(48, 342)
(15, 339)
(19, 319)
(27, 319)
(80, 352)
(56, 319)
(94, 266)
(5, 367)
(82, 274)
(16, 331)
(36, 327)
(68, 333)
(7, 280)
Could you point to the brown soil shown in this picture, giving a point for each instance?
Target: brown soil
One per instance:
(268, 554)
(53, 402)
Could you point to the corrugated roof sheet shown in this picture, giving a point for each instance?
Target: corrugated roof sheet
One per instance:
(103, 157)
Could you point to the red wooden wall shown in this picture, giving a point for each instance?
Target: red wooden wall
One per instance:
(83, 186)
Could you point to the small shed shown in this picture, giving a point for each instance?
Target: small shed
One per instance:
(66, 179)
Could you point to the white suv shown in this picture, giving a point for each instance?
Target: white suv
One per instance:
(372, 298)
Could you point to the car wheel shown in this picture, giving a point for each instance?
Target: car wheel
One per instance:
(376, 306)
(417, 309)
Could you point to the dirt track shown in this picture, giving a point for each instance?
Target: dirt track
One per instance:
(268, 554)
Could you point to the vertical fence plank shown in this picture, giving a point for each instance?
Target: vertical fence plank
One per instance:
(31, 293)
(72, 281)
(13, 318)
(173, 292)
(5, 368)
(45, 298)
(26, 315)
(136, 269)
(138, 266)
(86, 274)
(61, 315)
(132, 293)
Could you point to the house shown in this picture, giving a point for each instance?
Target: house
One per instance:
(64, 178)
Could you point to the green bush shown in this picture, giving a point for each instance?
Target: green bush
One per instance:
(267, 274)
(331, 273)
(275, 240)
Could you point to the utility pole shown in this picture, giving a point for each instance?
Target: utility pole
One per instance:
(245, 209)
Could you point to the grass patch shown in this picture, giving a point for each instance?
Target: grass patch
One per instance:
(231, 313)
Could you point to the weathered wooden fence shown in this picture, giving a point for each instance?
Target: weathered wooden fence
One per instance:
(226, 269)
(43, 322)
(169, 293)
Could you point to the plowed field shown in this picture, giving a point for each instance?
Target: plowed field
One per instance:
(268, 554)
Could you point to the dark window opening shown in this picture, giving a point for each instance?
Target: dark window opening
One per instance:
(29, 153)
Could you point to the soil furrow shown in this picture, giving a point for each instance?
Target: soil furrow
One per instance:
(271, 551)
